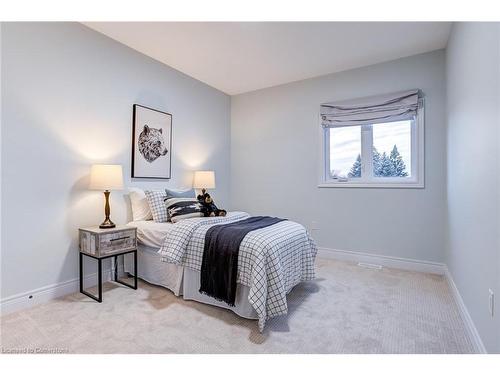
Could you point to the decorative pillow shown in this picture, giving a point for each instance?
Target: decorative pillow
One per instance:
(180, 193)
(156, 202)
(183, 208)
(140, 206)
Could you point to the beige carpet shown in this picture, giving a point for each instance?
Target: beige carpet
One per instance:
(348, 309)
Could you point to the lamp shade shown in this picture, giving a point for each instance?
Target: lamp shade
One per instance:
(106, 177)
(204, 180)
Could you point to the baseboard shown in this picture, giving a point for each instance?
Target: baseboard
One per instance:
(383, 260)
(464, 312)
(45, 294)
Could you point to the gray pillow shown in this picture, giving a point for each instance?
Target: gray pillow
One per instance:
(180, 193)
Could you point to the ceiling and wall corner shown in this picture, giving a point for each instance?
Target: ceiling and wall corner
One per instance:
(238, 57)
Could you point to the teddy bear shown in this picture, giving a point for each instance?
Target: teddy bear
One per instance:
(208, 206)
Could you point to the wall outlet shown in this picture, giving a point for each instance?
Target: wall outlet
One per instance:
(492, 302)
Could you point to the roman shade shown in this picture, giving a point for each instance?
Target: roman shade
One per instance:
(397, 106)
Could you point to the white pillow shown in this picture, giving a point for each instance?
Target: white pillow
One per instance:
(140, 206)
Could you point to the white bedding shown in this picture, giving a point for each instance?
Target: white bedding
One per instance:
(150, 233)
(151, 269)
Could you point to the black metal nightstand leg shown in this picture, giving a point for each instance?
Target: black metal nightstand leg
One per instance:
(98, 298)
(135, 272)
(99, 278)
(135, 269)
(81, 273)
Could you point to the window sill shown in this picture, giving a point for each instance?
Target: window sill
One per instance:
(408, 185)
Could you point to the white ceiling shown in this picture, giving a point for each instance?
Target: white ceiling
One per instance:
(237, 57)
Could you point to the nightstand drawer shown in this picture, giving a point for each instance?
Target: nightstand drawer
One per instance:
(99, 242)
(117, 241)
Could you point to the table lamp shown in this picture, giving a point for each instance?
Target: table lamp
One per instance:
(204, 180)
(106, 177)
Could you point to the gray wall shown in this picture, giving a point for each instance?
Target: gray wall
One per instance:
(275, 143)
(67, 95)
(473, 95)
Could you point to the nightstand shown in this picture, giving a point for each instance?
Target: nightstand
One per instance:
(101, 244)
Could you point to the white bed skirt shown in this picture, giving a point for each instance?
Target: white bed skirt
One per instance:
(182, 281)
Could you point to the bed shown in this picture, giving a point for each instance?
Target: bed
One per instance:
(271, 262)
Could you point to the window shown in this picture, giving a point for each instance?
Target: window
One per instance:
(346, 144)
(392, 149)
(386, 154)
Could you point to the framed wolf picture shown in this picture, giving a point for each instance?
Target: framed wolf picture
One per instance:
(151, 143)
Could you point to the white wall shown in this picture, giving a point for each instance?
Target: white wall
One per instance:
(67, 95)
(275, 143)
(473, 96)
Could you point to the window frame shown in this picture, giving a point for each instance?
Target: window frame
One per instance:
(416, 181)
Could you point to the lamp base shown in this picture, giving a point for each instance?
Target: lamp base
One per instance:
(107, 224)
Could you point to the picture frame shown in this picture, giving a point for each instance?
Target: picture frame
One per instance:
(151, 143)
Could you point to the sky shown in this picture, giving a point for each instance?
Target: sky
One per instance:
(345, 143)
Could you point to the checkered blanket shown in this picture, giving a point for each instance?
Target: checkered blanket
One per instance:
(271, 260)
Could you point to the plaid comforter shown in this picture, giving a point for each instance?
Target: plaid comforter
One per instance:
(271, 260)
